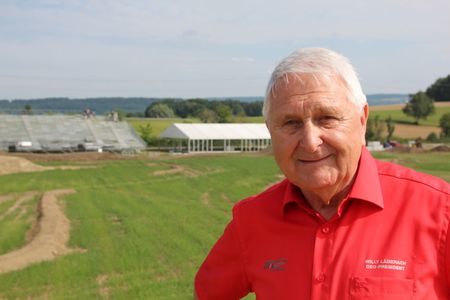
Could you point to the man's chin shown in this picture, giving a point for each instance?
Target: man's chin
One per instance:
(313, 181)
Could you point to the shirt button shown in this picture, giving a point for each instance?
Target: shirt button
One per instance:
(325, 229)
(320, 278)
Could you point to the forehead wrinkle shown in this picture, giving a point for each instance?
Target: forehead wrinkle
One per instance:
(305, 108)
(318, 83)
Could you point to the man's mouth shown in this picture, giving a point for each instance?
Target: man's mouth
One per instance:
(314, 160)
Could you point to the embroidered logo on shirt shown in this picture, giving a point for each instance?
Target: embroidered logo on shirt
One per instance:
(387, 264)
(275, 264)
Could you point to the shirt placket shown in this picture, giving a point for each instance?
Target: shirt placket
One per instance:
(323, 252)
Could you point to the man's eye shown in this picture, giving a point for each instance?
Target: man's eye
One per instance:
(325, 118)
(292, 123)
(328, 120)
(291, 126)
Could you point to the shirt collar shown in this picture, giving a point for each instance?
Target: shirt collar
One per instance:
(366, 186)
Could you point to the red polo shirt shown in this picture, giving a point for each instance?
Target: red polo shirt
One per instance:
(388, 240)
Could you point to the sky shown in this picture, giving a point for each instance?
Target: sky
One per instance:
(208, 48)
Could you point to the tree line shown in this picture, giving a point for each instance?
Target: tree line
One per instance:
(135, 106)
(419, 106)
(208, 111)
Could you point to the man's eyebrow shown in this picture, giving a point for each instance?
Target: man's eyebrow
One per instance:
(288, 116)
(329, 110)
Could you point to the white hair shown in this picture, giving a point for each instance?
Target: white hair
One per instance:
(317, 62)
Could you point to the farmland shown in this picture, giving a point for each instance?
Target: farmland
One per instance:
(395, 111)
(144, 228)
(139, 227)
(404, 125)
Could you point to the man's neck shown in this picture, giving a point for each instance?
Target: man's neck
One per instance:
(326, 202)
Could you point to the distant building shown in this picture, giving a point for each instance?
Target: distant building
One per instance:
(65, 133)
(375, 146)
(233, 137)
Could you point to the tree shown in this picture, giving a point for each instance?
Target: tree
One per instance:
(236, 107)
(444, 123)
(223, 113)
(369, 130)
(253, 109)
(208, 116)
(440, 89)
(145, 131)
(390, 127)
(374, 129)
(159, 110)
(27, 110)
(420, 106)
(432, 138)
(189, 107)
(120, 115)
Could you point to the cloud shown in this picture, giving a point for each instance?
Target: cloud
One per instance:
(175, 47)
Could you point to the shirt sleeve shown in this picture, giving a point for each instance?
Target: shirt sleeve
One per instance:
(222, 274)
(447, 257)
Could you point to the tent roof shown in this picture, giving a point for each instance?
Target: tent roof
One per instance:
(201, 131)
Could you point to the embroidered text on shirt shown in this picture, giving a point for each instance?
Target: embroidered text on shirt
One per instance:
(387, 264)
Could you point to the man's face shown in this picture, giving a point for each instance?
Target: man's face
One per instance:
(317, 133)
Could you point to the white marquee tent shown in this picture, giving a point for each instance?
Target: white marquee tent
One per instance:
(219, 137)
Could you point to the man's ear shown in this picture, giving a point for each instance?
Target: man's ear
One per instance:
(363, 119)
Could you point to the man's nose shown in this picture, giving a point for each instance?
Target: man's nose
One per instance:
(311, 137)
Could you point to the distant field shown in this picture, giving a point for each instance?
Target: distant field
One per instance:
(145, 224)
(404, 127)
(395, 111)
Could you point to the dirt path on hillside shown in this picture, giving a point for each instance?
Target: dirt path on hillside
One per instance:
(176, 169)
(4, 198)
(12, 164)
(51, 234)
(79, 157)
(18, 203)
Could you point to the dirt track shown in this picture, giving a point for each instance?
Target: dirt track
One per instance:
(12, 164)
(17, 205)
(79, 157)
(51, 234)
(175, 169)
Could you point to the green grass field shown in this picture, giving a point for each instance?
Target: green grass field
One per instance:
(16, 222)
(145, 231)
(399, 117)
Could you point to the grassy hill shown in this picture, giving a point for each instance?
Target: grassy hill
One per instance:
(395, 111)
(145, 225)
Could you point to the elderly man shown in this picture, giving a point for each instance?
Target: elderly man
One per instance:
(342, 225)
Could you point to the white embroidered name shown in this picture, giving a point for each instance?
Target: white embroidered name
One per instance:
(387, 264)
